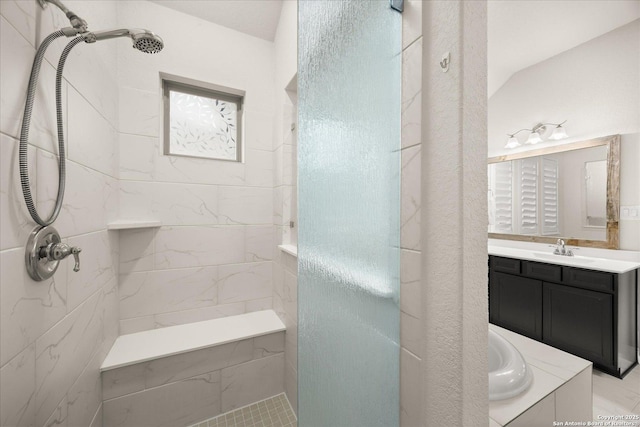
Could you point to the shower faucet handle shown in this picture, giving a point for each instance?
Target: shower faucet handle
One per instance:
(76, 256)
(59, 251)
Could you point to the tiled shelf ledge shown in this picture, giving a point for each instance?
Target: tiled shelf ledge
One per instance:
(289, 249)
(153, 344)
(123, 224)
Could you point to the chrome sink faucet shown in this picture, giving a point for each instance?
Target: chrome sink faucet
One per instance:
(561, 249)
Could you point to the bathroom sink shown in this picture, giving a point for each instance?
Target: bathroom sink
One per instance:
(509, 374)
(576, 259)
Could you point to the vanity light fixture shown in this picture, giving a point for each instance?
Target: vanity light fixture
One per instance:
(513, 142)
(537, 133)
(559, 132)
(534, 136)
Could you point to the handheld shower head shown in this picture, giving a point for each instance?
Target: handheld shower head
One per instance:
(143, 40)
(147, 42)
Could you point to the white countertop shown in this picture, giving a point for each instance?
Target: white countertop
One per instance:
(590, 263)
(551, 369)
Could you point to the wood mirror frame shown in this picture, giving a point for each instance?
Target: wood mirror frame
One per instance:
(613, 192)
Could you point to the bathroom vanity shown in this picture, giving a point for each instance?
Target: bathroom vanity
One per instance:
(584, 306)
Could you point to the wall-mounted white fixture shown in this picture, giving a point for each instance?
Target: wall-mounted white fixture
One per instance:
(537, 133)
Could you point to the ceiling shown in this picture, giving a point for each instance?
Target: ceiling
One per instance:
(524, 32)
(520, 32)
(257, 18)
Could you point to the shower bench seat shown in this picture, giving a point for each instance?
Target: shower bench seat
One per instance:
(181, 374)
(156, 343)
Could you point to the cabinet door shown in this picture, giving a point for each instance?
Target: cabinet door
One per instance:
(515, 303)
(579, 321)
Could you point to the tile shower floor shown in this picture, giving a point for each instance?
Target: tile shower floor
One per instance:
(611, 396)
(273, 412)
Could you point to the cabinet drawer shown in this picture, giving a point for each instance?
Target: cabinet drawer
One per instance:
(506, 265)
(536, 270)
(588, 279)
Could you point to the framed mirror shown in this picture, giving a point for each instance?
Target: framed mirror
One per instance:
(569, 192)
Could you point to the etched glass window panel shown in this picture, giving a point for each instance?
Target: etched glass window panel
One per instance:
(201, 126)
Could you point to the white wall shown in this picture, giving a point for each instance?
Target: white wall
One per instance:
(595, 86)
(213, 254)
(54, 334)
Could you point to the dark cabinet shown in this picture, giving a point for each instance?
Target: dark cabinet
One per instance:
(579, 321)
(516, 304)
(589, 313)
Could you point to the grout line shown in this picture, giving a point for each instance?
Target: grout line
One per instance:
(153, 317)
(63, 238)
(411, 353)
(195, 183)
(10, 136)
(194, 267)
(417, 144)
(67, 159)
(412, 43)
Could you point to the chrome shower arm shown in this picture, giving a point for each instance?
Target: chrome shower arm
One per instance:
(109, 34)
(77, 22)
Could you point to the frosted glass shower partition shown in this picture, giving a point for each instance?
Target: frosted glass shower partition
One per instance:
(349, 80)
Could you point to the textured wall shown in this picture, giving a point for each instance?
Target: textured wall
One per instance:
(54, 334)
(212, 257)
(454, 217)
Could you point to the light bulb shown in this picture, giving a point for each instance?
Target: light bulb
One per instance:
(534, 138)
(559, 133)
(512, 142)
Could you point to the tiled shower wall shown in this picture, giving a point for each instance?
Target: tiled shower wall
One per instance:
(410, 230)
(212, 256)
(55, 333)
(285, 266)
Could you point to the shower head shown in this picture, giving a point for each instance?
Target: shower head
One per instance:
(147, 42)
(143, 40)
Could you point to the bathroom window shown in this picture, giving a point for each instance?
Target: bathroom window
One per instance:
(202, 120)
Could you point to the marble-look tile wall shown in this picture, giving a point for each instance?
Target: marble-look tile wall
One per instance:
(410, 230)
(54, 334)
(285, 265)
(213, 254)
(285, 304)
(194, 386)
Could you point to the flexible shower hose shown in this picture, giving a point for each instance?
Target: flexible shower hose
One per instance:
(26, 122)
